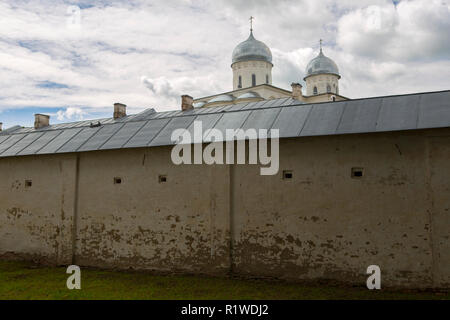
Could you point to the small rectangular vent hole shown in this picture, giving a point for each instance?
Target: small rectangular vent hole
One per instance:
(162, 178)
(117, 180)
(28, 183)
(357, 173)
(287, 174)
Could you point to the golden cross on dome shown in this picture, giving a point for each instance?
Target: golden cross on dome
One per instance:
(251, 23)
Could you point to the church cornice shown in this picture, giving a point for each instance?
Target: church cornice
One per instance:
(243, 90)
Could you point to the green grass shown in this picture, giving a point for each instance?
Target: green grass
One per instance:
(22, 280)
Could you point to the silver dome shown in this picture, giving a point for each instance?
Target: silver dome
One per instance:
(321, 64)
(251, 49)
(199, 104)
(222, 98)
(249, 94)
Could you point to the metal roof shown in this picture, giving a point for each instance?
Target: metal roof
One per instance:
(291, 117)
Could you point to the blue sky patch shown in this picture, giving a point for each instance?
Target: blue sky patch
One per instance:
(52, 85)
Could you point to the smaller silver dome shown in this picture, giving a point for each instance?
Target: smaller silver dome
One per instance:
(248, 95)
(321, 64)
(222, 98)
(199, 104)
(251, 49)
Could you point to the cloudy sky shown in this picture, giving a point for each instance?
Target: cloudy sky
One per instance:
(74, 59)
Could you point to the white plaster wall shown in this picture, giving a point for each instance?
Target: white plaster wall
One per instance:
(321, 81)
(247, 68)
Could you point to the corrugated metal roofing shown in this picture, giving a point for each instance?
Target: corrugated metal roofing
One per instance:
(291, 117)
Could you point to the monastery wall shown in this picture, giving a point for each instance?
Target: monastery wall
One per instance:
(323, 223)
(179, 224)
(36, 221)
(135, 209)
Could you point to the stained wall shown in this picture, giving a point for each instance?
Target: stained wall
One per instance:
(322, 223)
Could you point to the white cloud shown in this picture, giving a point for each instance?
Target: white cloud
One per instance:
(414, 30)
(71, 113)
(159, 87)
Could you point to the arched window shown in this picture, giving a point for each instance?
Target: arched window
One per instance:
(253, 80)
(328, 88)
(240, 82)
(267, 78)
(315, 90)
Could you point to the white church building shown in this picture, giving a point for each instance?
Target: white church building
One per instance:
(252, 78)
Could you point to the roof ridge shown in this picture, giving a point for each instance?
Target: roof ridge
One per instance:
(177, 113)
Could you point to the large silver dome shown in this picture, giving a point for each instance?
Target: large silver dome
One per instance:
(251, 49)
(321, 64)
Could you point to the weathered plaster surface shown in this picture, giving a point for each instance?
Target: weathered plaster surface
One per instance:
(219, 219)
